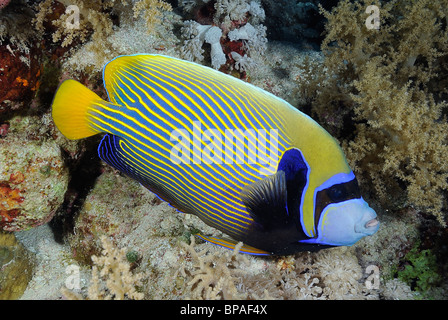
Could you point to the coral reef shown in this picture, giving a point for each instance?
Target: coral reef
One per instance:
(215, 275)
(19, 77)
(113, 208)
(388, 90)
(112, 278)
(96, 25)
(233, 30)
(16, 266)
(380, 92)
(155, 234)
(329, 274)
(33, 176)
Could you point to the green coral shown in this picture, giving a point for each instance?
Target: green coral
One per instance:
(186, 235)
(422, 270)
(132, 256)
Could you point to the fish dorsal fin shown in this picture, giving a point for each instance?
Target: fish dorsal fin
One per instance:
(232, 244)
(266, 201)
(118, 81)
(126, 76)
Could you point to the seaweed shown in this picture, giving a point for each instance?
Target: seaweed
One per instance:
(420, 271)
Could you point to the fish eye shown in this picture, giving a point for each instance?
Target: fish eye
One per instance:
(337, 193)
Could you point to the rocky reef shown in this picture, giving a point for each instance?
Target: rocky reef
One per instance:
(16, 265)
(33, 179)
(64, 215)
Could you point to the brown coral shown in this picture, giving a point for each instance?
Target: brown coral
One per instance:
(215, 276)
(16, 265)
(151, 10)
(112, 278)
(96, 21)
(389, 86)
(19, 77)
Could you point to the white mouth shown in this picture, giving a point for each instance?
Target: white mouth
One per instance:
(371, 223)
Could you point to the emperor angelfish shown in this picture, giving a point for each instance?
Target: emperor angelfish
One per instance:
(243, 160)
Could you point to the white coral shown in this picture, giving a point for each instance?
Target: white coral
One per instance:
(231, 10)
(257, 12)
(213, 37)
(195, 35)
(242, 63)
(254, 38)
(244, 33)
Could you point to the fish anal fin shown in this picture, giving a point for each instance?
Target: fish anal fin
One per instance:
(232, 245)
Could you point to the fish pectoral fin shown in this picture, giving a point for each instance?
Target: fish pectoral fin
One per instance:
(232, 245)
(266, 201)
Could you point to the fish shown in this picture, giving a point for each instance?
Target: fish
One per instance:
(243, 160)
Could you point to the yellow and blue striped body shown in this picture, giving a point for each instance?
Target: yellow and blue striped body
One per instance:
(199, 138)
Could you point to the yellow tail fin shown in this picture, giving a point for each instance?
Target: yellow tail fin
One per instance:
(70, 109)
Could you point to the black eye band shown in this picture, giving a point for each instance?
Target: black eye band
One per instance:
(334, 194)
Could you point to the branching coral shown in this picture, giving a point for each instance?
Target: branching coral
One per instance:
(112, 277)
(330, 274)
(388, 86)
(215, 275)
(152, 11)
(120, 281)
(92, 16)
(97, 21)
